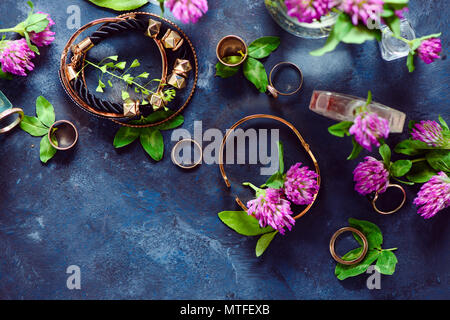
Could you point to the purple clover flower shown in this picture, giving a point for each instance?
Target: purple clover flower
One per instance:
(370, 176)
(270, 208)
(301, 185)
(433, 196)
(362, 10)
(367, 128)
(15, 57)
(429, 50)
(401, 12)
(429, 132)
(308, 10)
(187, 11)
(45, 37)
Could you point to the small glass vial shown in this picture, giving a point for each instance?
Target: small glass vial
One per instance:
(343, 107)
(393, 48)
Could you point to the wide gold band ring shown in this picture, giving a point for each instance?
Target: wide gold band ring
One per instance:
(375, 198)
(178, 145)
(338, 258)
(16, 121)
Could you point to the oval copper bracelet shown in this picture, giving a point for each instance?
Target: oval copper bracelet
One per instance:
(113, 116)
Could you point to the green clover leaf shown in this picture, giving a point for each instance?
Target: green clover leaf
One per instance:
(33, 126)
(400, 167)
(125, 136)
(45, 111)
(255, 72)
(120, 5)
(343, 272)
(243, 223)
(263, 47)
(340, 129)
(263, 243)
(386, 262)
(47, 151)
(224, 71)
(152, 142)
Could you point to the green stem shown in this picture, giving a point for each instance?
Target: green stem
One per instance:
(118, 77)
(18, 29)
(401, 181)
(251, 186)
(8, 30)
(391, 249)
(418, 160)
(408, 42)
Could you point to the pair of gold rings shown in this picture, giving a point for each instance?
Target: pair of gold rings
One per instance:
(232, 45)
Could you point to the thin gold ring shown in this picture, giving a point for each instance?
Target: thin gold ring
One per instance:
(271, 87)
(375, 198)
(175, 147)
(13, 124)
(338, 258)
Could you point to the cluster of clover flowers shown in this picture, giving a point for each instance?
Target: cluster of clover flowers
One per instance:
(16, 55)
(429, 141)
(355, 24)
(270, 212)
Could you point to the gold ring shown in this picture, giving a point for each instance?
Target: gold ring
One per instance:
(348, 262)
(13, 124)
(68, 134)
(231, 45)
(375, 198)
(271, 87)
(177, 145)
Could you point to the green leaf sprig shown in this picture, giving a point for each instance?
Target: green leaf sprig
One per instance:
(385, 258)
(396, 169)
(342, 128)
(429, 160)
(111, 67)
(39, 127)
(253, 69)
(150, 138)
(247, 225)
(35, 22)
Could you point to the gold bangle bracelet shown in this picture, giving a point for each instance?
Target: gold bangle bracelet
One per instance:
(297, 133)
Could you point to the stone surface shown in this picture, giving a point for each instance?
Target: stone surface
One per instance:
(150, 230)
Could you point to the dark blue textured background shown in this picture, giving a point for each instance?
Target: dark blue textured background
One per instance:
(140, 229)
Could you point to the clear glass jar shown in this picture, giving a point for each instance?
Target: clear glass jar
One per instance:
(314, 30)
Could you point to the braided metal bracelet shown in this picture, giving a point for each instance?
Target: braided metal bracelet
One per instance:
(150, 24)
